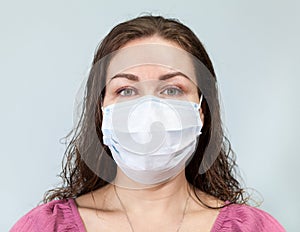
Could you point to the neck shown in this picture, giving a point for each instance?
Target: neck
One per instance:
(159, 198)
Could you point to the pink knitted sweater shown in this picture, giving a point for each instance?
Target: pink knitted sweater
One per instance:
(63, 216)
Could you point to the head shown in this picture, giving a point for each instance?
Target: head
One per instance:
(217, 179)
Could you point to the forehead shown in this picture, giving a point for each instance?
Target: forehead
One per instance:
(148, 70)
(147, 57)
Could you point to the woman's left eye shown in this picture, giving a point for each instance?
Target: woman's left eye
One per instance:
(172, 91)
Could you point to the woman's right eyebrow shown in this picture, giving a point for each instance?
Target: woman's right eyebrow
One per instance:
(128, 76)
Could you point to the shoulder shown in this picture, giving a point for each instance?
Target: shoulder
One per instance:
(57, 215)
(240, 217)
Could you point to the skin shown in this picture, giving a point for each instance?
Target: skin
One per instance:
(158, 208)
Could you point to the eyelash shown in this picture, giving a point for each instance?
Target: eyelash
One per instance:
(177, 89)
(119, 91)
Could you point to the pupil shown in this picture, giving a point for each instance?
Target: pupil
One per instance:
(171, 91)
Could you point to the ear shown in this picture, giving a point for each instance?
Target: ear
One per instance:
(201, 116)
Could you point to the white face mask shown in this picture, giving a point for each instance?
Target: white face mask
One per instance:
(151, 138)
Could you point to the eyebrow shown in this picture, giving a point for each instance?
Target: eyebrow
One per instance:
(133, 77)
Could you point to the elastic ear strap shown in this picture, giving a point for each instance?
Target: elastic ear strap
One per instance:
(199, 105)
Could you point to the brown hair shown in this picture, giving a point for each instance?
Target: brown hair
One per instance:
(219, 180)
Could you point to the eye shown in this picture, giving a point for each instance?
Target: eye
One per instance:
(172, 91)
(126, 92)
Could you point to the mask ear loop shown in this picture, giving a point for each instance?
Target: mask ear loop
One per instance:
(101, 101)
(200, 102)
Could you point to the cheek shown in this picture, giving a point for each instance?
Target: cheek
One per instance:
(193, 94)
(108, 97)
(107, 100)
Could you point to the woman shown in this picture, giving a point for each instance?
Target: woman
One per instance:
(148, 152)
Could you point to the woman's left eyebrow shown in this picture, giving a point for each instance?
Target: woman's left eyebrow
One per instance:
(133, 77)
(171, 75)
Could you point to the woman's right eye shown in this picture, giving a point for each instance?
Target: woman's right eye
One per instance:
(126, 92)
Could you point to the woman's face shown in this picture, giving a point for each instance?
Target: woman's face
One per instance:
(150, 79)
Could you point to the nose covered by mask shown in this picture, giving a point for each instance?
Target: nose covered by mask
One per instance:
(151, 138)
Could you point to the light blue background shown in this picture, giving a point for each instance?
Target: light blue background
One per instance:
(46, 50)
